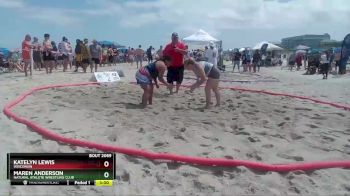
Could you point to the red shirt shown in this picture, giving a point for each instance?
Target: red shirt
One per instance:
(26, 50)
(177, 59)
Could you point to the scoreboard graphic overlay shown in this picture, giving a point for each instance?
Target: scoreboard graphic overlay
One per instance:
(61, 168)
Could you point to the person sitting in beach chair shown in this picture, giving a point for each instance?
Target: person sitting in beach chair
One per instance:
(205, 72)
(152, 72)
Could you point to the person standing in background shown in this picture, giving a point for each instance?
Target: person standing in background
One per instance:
(26, 54)
(331, 59)
(104, 55)
(78, 57)
(324, 60)
(37, 58)
(131, 56)
(159, 54)
(256, 60)
(55, 53)
(63, 49)
(244, 60)
(299, 60)
(213, 54)
(70, 54)
(139, 53)
(236, 60)
(149, 54)
(96, 55)
(305, 60)
(47, 54)
(86, 55)
(206, 53)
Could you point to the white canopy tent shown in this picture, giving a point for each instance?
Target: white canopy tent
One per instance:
(200, 39)
(270, 47)
(200, 36)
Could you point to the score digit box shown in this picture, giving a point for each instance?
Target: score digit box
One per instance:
(61, 168)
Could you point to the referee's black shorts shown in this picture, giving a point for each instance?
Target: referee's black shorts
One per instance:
(175, 74)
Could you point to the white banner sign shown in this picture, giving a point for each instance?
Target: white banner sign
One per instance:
(106, 76)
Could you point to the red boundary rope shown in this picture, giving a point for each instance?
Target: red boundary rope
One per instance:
(174, 157)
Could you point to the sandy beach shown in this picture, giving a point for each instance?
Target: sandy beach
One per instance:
(246, 126)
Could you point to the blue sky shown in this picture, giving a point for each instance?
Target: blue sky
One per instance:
(150, 22)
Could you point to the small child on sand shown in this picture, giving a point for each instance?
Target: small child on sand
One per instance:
(205, 72)
(153, 71)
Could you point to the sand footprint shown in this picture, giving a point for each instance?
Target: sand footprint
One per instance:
(253, 139)
(280, 111)
(113, 138)
(303, 109)
(268, 146)
(312, 126)
(318, 117)
(242, 133)
(295, 158)
(213, 139)
(124, 176)
(295, 136)
(207, 122)
(132, 159)
(35, 142)
(254, 155)
(219, 148)
(161, 144)
(56, 97)
(340, 114)
(228, 157)
(327, 138)
(180, 137)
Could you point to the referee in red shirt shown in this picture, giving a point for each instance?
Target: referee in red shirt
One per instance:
(176, 50)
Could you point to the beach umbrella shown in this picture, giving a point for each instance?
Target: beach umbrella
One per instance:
(241, 49)
(269, 47)
(302, 47)
(106, 43)
(300, 52)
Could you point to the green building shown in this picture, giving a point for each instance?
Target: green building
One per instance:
(313, 41)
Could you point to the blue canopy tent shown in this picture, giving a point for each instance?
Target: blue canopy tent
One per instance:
(5, 52)
(110, 44)
(106, 43)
